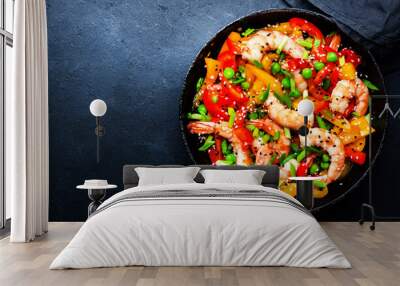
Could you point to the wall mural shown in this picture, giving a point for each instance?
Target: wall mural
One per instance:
(242, 93)
(134, 55)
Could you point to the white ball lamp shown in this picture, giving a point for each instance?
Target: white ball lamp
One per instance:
(98, 108)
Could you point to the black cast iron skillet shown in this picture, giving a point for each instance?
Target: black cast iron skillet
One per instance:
(338, 189)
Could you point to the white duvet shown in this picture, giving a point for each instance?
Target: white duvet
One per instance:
(200, 231)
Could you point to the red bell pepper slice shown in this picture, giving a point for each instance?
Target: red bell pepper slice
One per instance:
(308, 27)
(320, 105)
(350, 56)
(334, 79)
(324, 73)
(240, 117)
(317, 91)
(231, 45)
(296, 64)
(319, 53)
(215, 109)
(357, 157)
(302, 169)
(228, 59)
(234, 93)
(215, 153)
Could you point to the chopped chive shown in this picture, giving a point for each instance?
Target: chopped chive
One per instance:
(265, 138)
(199, 83)
(370, 85)
(256, 132)
(342, 60)
(276, 136)
(304, 43)
(287, 133)
(248, 32)
(232, 115)
(281, 46)
(258, 64)
(207, 144)
(264, 96)
(292, 170)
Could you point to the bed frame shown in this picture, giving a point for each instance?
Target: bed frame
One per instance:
(271, 177)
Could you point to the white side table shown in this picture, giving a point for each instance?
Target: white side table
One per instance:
(304, 187)
(96, 192)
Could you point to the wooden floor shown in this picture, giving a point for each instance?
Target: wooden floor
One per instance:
(375, 257)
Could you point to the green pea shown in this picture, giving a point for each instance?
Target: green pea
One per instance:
(318, 66)
(245, 85)
(331, 57)
(229, 73)
(314, 169)
(286, 82)
(324, 165)
(295, 93)
(307, 73)
(253, 116)
(275, 68)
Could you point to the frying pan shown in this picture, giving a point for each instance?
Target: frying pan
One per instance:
(339, 189)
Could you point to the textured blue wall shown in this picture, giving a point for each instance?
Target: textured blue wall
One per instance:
(134, 55)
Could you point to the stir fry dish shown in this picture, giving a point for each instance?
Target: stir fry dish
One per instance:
(245, 107)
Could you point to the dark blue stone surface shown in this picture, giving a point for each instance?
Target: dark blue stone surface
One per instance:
(134, 55)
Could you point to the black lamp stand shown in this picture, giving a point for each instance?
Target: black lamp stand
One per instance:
(99, 131)
(305, 187)
(369, 205)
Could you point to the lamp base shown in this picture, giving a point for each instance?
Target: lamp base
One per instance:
(305, 193)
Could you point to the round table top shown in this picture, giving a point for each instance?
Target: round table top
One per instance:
(307, 178)
(87, 187)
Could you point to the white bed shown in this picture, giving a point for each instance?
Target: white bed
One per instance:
(184, 230)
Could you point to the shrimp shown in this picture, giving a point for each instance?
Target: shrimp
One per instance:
(262, 41)
(333, 145)
(344, 91)
(266, 151)
(301, 83)
(281, 114)
(222, 129)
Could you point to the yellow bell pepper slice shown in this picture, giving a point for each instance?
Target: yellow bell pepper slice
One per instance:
(255, 91)
(363, 124)
(348, 71)
(288, 188)
(284, 27)
(268, 59)
(213, 68)
(358, 145)
(320, 193)
(341, 123)
(265, 77)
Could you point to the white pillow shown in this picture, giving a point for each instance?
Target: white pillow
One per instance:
(248, 177)
(165, 176)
